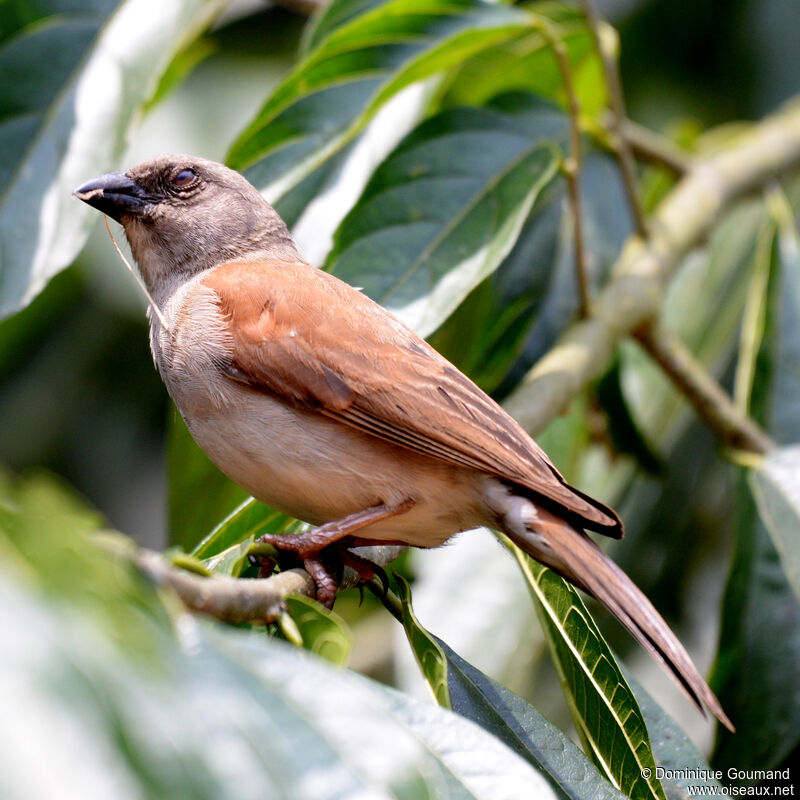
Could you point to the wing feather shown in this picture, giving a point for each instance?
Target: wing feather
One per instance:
(310, 339)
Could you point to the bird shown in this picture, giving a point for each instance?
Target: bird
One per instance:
(322, 404)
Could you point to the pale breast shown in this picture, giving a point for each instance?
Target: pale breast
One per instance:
(298, 461)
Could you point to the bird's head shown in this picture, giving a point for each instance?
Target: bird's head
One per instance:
(183, 214)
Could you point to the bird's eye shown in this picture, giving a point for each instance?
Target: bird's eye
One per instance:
(184, 178)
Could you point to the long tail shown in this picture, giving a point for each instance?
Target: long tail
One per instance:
(572, 554)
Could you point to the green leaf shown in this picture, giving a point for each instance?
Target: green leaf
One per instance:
(353, 71)
(527, 63)
(447, 206)
(429, 655)
(47, 538)
(501, 712)
(245, 523)
(323, 631)
(686, 771)
(756, 677)
(603, 706)
(230, 561)
(78, 73)
(210, 711)
(513, 721)
(776, 488)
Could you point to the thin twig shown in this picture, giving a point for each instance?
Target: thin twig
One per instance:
(228, 599)
(712, 404)
(137, 278)
(635, 292)
(572, 164)
(619, 143)
(649, 146)
(253, 600)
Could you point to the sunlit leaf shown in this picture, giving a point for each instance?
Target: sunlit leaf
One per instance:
(447, 206)
(426, 649)
(231, 560)
(527, 63)
(209, 709)
(352, 72)
(75, 77)
(247, 521)
(324, 632)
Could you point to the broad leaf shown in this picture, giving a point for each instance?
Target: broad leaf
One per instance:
(447, 206)
(93, 673)
(686, 772)
(528, 64)
(515, 722)
(352, 72)
(429, 654)
(603, 706)
(323, 631)
(458, 685)
(76, 75)
(246, 522)
(756, 676)
(776, 488)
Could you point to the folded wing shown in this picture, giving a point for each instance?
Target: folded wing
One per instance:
(317, 343)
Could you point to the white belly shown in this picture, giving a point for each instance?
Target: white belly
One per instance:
(319, 470)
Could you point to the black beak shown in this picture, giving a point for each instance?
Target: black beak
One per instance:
(114, 194)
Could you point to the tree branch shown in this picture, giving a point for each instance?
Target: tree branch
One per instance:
(228, 599)
(649, 146)
(634, 294)
(572, 165)
(710, 401)
(619, 144)
(254, 600)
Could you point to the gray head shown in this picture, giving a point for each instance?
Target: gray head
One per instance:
(183, 214)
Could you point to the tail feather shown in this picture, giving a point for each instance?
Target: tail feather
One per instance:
(571, 553)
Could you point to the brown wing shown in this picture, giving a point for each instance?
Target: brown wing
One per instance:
(317, 343)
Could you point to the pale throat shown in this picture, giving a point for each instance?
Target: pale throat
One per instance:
(161, 272)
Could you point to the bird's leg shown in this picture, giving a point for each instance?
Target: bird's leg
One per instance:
(363, 567)
(308, 546)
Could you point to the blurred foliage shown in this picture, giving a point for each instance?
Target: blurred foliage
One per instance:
(416, 147)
